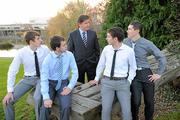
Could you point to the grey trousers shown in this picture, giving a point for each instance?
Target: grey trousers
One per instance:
(108, 90)
(64, 101)
(22, 87)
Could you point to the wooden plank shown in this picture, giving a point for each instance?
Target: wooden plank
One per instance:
(96, 97)
(167, 77)
(83, 104)
(81, 88)
(90, 91)
(78, 108)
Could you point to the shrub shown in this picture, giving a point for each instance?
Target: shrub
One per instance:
(157, 17)
(6, 46)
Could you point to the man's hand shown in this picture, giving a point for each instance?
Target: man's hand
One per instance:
(48, 103)
(93, 82)
(154, 77)
(8, 98)
(65, 91)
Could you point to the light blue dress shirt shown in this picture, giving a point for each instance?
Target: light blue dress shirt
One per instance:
(49, 72)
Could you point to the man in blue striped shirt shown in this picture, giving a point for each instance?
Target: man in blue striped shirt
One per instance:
(54, 78)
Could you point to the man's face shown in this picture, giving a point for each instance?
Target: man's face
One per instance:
(85, 25)
(36, 42)
(131, 32)
(110, 39)
(62, 48)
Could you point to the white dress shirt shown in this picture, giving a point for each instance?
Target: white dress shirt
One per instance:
(125, 63)
(25, 56)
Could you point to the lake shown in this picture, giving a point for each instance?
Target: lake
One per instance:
(8, 53)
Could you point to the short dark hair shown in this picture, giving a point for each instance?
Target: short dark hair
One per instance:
(117, 32)
(55, 41)
(136, 25)
(82, 18)
(30, 35)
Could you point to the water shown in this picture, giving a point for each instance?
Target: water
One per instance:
(8, 53)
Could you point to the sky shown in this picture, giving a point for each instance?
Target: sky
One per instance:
(21, 11)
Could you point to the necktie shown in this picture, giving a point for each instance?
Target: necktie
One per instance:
(84, 39)
(36, 64)
(113, 64)
(59, 65)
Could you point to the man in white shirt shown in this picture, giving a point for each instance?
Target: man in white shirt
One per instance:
(31, 56)
(118, 65)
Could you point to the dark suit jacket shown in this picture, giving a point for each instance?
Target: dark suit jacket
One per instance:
(81, 53)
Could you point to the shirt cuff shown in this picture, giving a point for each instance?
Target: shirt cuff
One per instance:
(70, 86)
(10, 89)
(46, 96)
(96, 78)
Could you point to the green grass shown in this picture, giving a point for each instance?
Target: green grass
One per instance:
(171, 115)
(23, 111)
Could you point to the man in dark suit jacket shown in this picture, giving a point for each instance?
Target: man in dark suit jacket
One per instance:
(83, 43)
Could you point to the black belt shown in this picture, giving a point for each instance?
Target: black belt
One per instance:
(61, 80)
(116, 78)
(31, 76)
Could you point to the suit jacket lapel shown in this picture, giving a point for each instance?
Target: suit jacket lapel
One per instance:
(88, 37)
(79, 38)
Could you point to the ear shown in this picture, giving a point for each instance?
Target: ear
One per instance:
(78, 25)
(57, 48)
(31, 41)
(115, 38)
(138, 30)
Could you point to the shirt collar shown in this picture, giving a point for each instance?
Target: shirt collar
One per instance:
(81, 31)
(120, 48)
(55, 55)
(134, 42)
(31, 51)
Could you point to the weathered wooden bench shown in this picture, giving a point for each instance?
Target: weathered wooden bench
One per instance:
(86, 100)
(85, 103)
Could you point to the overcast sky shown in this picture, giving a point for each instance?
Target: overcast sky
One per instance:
(21, 11)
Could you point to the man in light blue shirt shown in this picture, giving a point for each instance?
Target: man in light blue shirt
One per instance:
(54, 78)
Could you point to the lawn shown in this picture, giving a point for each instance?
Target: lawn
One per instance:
(22, 110)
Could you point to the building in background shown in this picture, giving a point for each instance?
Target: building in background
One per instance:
(16, 31)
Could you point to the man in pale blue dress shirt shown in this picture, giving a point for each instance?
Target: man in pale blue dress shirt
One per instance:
(55, 84)
(25, 56)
